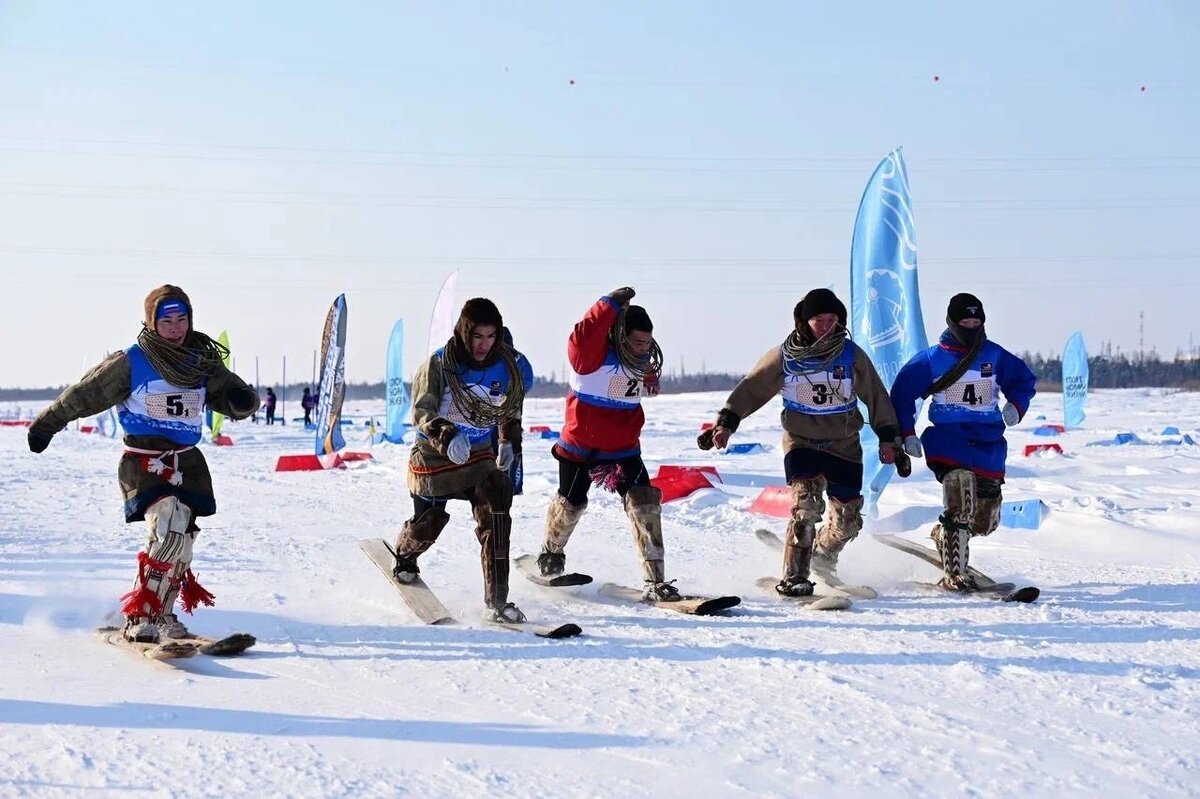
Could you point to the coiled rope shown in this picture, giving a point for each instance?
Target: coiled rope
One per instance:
(476, 409)
(185, 366)
(823, 351)
(637, 366)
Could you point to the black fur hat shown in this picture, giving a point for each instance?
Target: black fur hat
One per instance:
(816, 302)
(964, 306)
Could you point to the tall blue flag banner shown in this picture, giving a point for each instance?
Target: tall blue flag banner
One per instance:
(1074, 380)
(398, 401)
(333, 380)
(885, 302)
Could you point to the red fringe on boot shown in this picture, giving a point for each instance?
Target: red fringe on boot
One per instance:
(192, 594)
(135, 602)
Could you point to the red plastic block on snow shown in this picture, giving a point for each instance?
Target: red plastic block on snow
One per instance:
(308, 463)
(539, 428)
(670, 470)
(680, 484)
(773, 501)
(1059, 427)
(87, 428)
(1032, 448)
(354, 456)
(15, 422)
(222, 440)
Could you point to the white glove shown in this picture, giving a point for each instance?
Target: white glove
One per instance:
(912, 445)
(1011, 414)
(505, 457)
(459, 449)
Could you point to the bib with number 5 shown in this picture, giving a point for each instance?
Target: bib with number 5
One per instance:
(158, 408)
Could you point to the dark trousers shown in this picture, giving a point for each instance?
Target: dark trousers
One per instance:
(844, 478)
(490, 502)
(574, 479)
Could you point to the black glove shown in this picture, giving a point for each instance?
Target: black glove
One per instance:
(623, 295)
(903, 463)
(725, 418)
(242, 399)
(728, 419)
(39, 440)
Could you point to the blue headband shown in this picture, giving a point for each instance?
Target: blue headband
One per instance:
(168, 307)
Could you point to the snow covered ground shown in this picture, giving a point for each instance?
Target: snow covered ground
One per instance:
(1093, 690)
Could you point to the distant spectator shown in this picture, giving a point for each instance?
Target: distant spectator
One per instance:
(269, 406)
(308, 402)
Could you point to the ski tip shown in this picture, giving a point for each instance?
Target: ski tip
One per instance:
(1023, 595)
(574, 578)
(229, 646)
(568, 630)
(717, 605)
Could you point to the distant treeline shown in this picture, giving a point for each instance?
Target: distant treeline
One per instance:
(1120, 371)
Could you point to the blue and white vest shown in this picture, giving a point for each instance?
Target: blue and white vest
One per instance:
(822, 393)
(490, 384)
(973, 398)
(610, 386)
(158, 408)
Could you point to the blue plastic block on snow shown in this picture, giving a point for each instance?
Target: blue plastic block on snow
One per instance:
(1126, 438)
(549, 434)
(1170, 430)
(1045, 430)
(745, 449)
(1023, 514)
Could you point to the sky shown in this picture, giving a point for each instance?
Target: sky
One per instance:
(269, 156)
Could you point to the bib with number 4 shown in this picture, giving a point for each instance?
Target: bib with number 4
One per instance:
(972, 392)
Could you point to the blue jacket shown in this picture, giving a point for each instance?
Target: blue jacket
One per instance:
(966, 427)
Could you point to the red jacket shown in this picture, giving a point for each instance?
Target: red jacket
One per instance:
(596, 429)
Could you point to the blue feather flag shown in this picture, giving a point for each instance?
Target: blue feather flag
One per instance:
(398, 401)
(885, 301)
(1074, 380)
